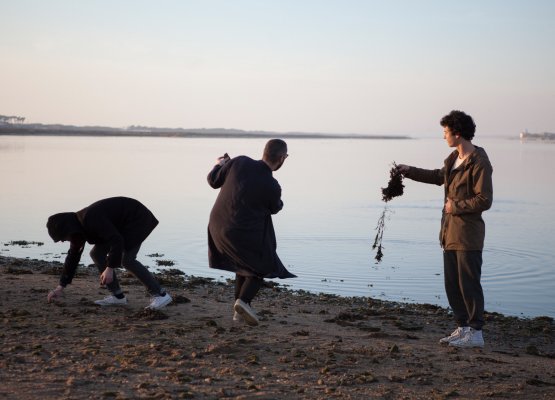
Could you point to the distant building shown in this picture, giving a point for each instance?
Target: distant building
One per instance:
(11, 120)
(536, 136)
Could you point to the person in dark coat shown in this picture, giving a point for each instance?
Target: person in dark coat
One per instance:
(241, 235)
(116, 227)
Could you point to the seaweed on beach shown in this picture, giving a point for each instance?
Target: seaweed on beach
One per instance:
(23, 243)
(394, 189)
(149, 315)
(165, 263)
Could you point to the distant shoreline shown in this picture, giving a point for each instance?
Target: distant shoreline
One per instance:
(63, 130)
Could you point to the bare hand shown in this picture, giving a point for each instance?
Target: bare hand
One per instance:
(448, 206)
(107, 276)
(222, 160)
(55, 294)
(403, 169)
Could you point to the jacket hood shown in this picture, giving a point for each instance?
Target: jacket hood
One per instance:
(61, 226)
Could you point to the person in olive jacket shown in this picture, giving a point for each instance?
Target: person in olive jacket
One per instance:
(241, 235)
(116, 226)
(467, 179)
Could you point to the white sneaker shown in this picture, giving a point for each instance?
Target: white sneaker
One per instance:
(455, 335)
(471, 338)
(159, 302)
(237, 317)
(111, 301)
(244, 310)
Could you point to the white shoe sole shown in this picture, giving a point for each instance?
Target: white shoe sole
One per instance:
(249, 319)
(101, 304)
(161, 305)
(467, 345)
(448, 340)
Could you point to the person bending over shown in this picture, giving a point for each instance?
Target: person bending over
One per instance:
(116, 227)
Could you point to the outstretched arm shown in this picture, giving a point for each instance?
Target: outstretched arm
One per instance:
(77, 244)
(216, 177)
(432, 176)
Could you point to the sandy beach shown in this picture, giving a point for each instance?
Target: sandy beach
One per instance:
(307, 345)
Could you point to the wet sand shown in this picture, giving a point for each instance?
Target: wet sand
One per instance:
(307, 346)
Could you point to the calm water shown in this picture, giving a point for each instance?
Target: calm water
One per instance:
(331, 190)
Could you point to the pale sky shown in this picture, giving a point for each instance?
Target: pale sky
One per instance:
(343, 66)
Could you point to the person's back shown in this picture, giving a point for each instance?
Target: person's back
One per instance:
(128, 217)
(247, 196)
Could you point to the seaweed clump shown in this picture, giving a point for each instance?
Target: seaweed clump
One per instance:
(24, 243)
(165, 263)
(394, 189)
(395, 186)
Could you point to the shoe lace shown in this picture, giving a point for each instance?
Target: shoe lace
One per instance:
(467, 337)
(457, 332)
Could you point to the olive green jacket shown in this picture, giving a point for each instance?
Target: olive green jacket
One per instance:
(470, 188)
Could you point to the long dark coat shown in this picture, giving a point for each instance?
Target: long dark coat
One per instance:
(241, 235)
(121, 223)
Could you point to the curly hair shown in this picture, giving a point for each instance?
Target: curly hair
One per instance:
(460, 124)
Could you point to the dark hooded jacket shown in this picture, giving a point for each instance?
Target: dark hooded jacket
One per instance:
(120, 223)
(241, 235)
(470, 188)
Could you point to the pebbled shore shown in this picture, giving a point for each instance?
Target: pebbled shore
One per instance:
(307, 345)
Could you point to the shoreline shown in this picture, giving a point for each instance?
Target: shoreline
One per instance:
(307, 345)
(78, 131)
(405, 300)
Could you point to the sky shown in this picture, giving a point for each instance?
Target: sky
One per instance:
(343, 66)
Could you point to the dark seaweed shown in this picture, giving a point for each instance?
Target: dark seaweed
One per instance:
(395, 186)
(165, 263)
(380, 227)
(394, 189)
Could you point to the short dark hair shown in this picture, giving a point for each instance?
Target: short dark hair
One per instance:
(460, 124)
(274, 150)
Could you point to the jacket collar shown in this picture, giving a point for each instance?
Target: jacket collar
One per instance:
(471, 159)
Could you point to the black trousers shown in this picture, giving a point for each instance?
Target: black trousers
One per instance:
(462, 272)
(129, 262)
(246, 287)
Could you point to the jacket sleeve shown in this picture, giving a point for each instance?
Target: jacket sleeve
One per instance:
(72, 260)
(106, 231)
(278, 207)
(116, 244)
(482, 187)
(216, 177)
(276, 204)
(432, 176)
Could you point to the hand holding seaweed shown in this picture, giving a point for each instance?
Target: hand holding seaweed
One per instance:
(395, 186)
(394, 189)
